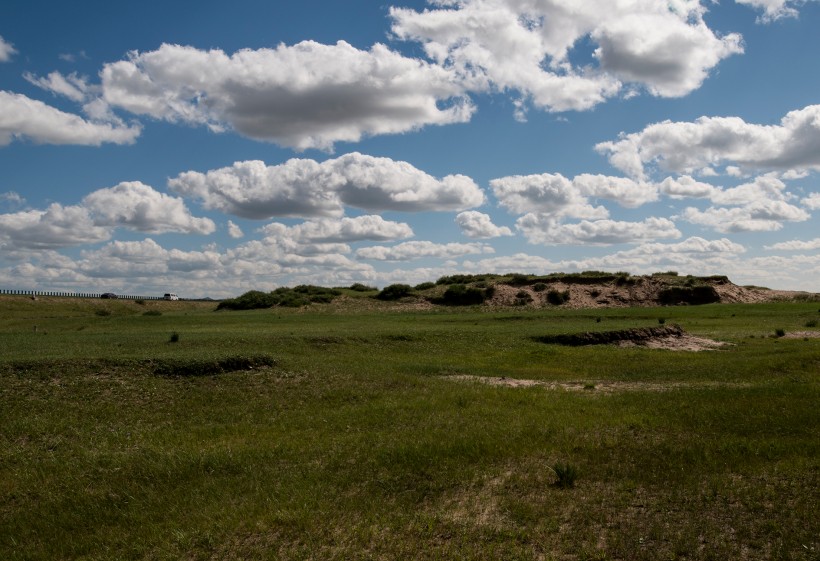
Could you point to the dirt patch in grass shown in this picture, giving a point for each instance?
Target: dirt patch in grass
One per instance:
(591, 386)
(802, 335)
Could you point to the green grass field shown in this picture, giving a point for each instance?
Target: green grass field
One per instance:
(351, 439)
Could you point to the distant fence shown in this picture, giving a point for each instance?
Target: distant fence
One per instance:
(14, 292)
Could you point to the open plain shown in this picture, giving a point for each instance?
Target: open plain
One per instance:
(360, 429)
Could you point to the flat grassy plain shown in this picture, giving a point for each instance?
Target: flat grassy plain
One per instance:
(352, 439)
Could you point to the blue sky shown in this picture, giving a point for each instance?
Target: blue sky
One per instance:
(157, 147)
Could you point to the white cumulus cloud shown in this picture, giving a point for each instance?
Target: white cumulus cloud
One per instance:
(23, 117)
(761, 216)
(138, 206)
(527, 46)
(416, 250)
(478, 225)
(308, 95)
(234, 231)
(307, 188)
(685, 147)
(6, 50)
(796, 245)
(55, 227)
(545, 229)
(774, 9)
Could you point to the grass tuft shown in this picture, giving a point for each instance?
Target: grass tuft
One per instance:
(565, 475)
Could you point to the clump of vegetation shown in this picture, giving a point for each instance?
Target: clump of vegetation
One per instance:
(464, 279)
(102, 313)
(661, 321)
(539, 287)
(395, 292)
(462, 295)
(811, 323)
(174, 337)
(359, 287)
(565, 475)
(556, 298)
(779, 332)
(152, 313)
(140, 302)
(522, 298)
(699, 294)
(302, 295)
(425, 286)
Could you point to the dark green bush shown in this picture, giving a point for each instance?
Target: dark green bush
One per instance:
(461, 295)
(425, 286)
(702, 294)
(359, 287)
(395, 292)
(302, 295)
(539, 287)
(251, 300)
(557, 298)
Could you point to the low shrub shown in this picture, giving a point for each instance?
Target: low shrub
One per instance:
(811, 323)
(557, 298)
(152, 313)
(174, 337)
(395, 292)
(539, 287)
(425, 286)
(779, 332)
(461, 295)
(359, 287)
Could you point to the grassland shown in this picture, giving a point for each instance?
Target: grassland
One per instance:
(351, 438)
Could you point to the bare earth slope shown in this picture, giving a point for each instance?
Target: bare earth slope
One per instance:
(637, 291)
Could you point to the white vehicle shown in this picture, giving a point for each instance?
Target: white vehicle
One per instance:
(169, 296)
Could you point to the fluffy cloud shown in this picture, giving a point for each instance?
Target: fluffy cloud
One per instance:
(304, 96)
(685, 147)
(306, 188)
(527, 46)
(773, 9)
(762, 216)
(139, 207)
(796, 245)
(547, 194)
(72, 86)
(6, 50)
(23, 117)
(348, 230)
(130, 205)
(416, 250)
(475, 224)
(556, 195)
(235, 231)
(57, 226)
(545, 229)
(812, 202)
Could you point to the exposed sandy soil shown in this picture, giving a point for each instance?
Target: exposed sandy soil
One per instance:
(593, 386)
(643, 292)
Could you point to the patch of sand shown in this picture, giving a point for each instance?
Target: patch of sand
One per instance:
(596, 386)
